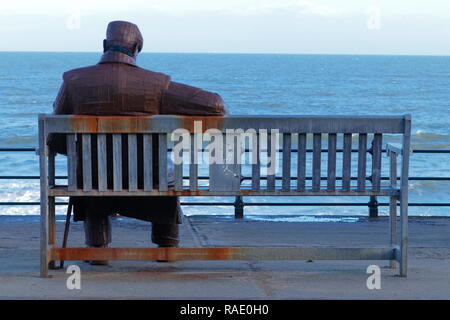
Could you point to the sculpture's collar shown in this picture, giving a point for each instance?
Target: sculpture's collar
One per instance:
(117, 57)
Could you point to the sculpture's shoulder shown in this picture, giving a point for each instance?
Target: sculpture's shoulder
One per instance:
(152, 76)
(75, 74)
(109, 71)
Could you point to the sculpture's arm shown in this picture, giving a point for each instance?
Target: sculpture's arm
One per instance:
(187, 100)
(57, 142)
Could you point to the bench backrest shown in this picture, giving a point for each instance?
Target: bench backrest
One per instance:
(306, 167)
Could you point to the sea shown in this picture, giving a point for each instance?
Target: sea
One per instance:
(252, 84)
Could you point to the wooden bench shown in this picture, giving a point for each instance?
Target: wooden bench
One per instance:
(295, 132)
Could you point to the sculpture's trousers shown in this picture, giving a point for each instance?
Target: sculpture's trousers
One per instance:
(97, 230)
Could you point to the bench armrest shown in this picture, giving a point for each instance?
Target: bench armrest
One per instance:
(392, 151)
(395, 148)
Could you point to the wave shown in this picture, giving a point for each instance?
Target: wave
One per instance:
(422, 134)
(302, 219)
(19, 141)
(430, 140)
(24, 191)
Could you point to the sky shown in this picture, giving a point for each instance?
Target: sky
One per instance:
(416, 27)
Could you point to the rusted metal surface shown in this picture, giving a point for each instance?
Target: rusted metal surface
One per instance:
(132, 124)
(234, 253)
(142, 254)
(168, 123)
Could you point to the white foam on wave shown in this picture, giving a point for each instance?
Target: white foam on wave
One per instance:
(19, 192)
(25, 191)
(304, 219)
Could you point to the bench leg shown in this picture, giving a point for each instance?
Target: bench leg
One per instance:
(393, 226)
(43, 169)
(404, 198)
(44, 238)
(404, 235)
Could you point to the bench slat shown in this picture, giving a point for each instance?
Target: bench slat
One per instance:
(362, 159)
(317, 150)
(286, 184)
(376, 161)
(102, 165)
(87, 162)
(72, 162)
(346, 161)
(132, 162)
(178, 170)
(331, 174)
(301, 161)
(385, 191)
(256, 163)
(162, 139)
(117, 162)
(193, 165)
(271, 167)
(148, 161)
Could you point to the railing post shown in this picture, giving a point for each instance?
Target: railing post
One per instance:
(373, 207)
(238, 208)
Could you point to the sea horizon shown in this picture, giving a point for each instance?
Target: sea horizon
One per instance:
(246, 53)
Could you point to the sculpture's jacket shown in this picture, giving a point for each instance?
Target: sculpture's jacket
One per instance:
(116, 86)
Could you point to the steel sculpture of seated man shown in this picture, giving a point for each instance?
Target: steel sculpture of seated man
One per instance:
(117, 86)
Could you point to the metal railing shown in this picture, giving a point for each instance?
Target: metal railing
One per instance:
(239, 203)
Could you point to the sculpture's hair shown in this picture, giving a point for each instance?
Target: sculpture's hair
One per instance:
(124, 34)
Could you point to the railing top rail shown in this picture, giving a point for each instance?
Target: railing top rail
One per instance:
(169, 123)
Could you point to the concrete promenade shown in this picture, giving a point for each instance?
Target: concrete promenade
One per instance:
(429, 262)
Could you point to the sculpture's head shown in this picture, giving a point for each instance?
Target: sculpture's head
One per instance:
(123, 36)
